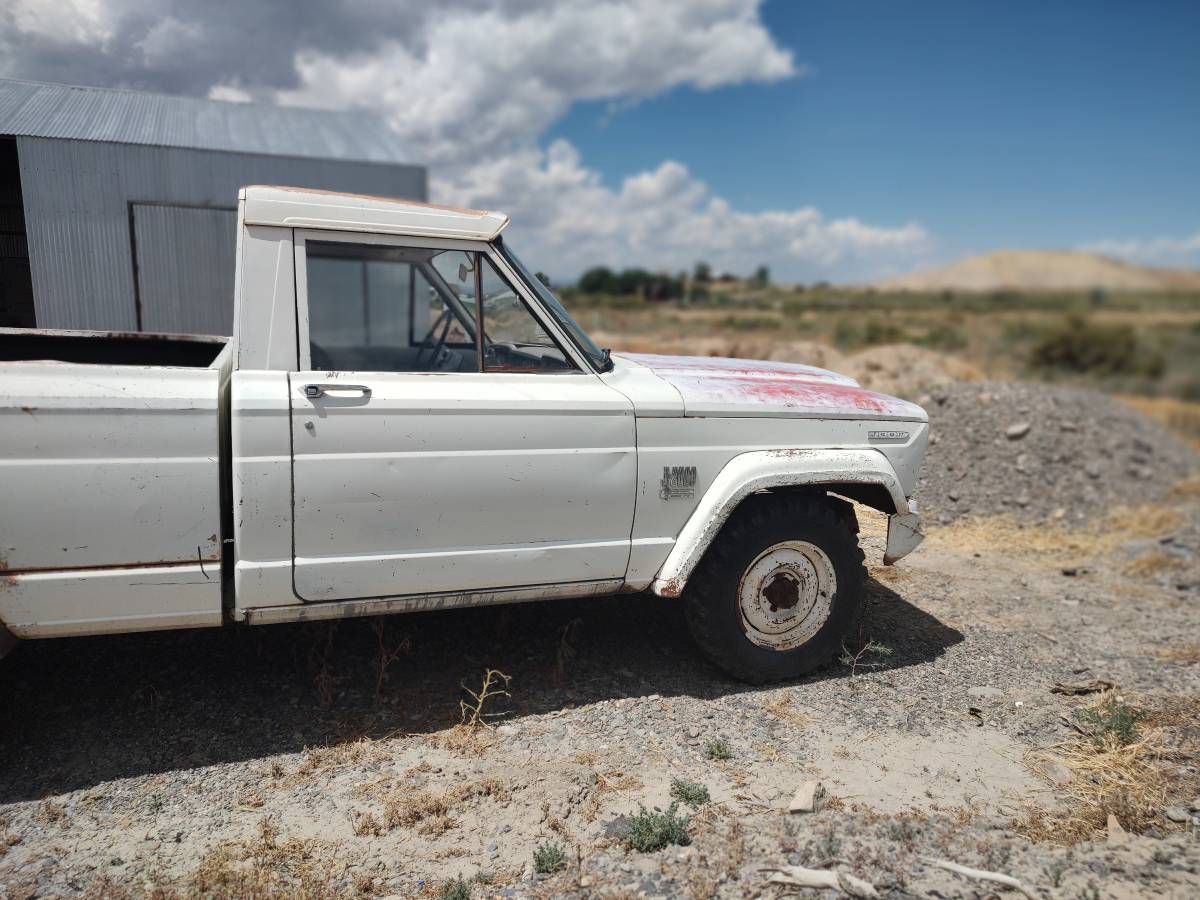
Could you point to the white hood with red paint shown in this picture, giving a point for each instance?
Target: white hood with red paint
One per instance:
(711, 386)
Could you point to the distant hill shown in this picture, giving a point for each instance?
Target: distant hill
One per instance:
(1044, 270)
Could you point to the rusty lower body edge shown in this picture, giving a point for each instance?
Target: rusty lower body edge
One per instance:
(7, 641)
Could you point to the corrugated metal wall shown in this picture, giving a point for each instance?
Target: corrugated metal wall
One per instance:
(84, 201)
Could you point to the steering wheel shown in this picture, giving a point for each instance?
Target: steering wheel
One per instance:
(443, 322)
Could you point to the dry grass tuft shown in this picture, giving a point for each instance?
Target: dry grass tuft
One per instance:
(781, 708)
(52, 813)
(427, 811)
(338, 756)
(1188, 489)
(1152, 564)
(1131, 773)
(1180, 416)
(8, 840)
(1188, 653)
(1055, 544)
(264, 867)
(465, 739)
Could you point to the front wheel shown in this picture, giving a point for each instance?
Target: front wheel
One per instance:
(779, 588)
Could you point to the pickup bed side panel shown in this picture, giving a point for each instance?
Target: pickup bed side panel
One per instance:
(109, 502)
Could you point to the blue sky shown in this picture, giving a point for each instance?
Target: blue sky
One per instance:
(992, 125)
(829, 139)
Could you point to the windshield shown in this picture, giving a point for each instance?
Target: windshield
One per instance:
(598, 358)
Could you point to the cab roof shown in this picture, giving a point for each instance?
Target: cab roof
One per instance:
(305, 208)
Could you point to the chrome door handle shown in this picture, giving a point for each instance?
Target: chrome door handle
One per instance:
(313, 391)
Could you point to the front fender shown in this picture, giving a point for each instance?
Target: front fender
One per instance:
(762, 470)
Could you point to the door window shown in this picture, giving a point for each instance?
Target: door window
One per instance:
(411, 309)
(389, 309)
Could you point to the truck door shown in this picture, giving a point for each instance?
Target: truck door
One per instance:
(431, 455)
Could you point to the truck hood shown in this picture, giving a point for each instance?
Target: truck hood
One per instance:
(712, 386)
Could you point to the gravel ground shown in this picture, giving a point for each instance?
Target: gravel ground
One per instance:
(286, 761)
(1042, 452)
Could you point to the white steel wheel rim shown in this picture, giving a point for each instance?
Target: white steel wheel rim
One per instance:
(786, 595)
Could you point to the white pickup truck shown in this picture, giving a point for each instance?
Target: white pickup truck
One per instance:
(406, 419)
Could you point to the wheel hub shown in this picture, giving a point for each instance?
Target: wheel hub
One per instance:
(786, 594)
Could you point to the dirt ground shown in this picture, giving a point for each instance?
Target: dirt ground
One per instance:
(329, 760)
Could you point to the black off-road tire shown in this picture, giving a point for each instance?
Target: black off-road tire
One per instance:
(761, 522)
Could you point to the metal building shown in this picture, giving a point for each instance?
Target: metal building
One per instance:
(117, 208)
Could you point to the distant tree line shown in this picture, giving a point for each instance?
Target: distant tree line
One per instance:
(657, 285)
(652, 286)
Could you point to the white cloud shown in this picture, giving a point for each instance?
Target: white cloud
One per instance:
(565, 219)
(479, 82)
(1161, 251)
(473, 86)
(77, 21)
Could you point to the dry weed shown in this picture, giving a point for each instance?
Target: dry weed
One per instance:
(566, 652)
(473, 733)
(320, 652)
(611, 782)
(386, 653)
(475, 714)
(364, 823)
(250, 799)
(1131, 776)
(770, 751)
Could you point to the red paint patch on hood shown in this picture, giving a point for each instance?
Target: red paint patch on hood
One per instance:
(716, 387)
(721, 367)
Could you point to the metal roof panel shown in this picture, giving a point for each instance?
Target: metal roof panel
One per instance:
(38, 109)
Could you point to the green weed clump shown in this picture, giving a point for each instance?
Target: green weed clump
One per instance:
(652, 830)
(548, 859)
(694, 795)
(1111, 721)
(718, 749)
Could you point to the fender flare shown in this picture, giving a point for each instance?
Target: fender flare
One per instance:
(762, 470)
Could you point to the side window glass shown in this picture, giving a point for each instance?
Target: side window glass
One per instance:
(389, 309)
(514, 340)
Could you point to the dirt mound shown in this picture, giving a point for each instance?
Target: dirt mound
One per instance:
(1044, 270)
(905, 370)
(1043, 452)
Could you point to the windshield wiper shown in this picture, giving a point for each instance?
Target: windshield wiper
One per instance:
(606, 363)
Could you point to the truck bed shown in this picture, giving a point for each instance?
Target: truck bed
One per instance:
(109, 484)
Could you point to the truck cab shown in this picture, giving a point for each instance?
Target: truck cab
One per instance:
(406, 418)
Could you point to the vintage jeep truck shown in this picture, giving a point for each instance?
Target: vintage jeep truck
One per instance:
(407, 419)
